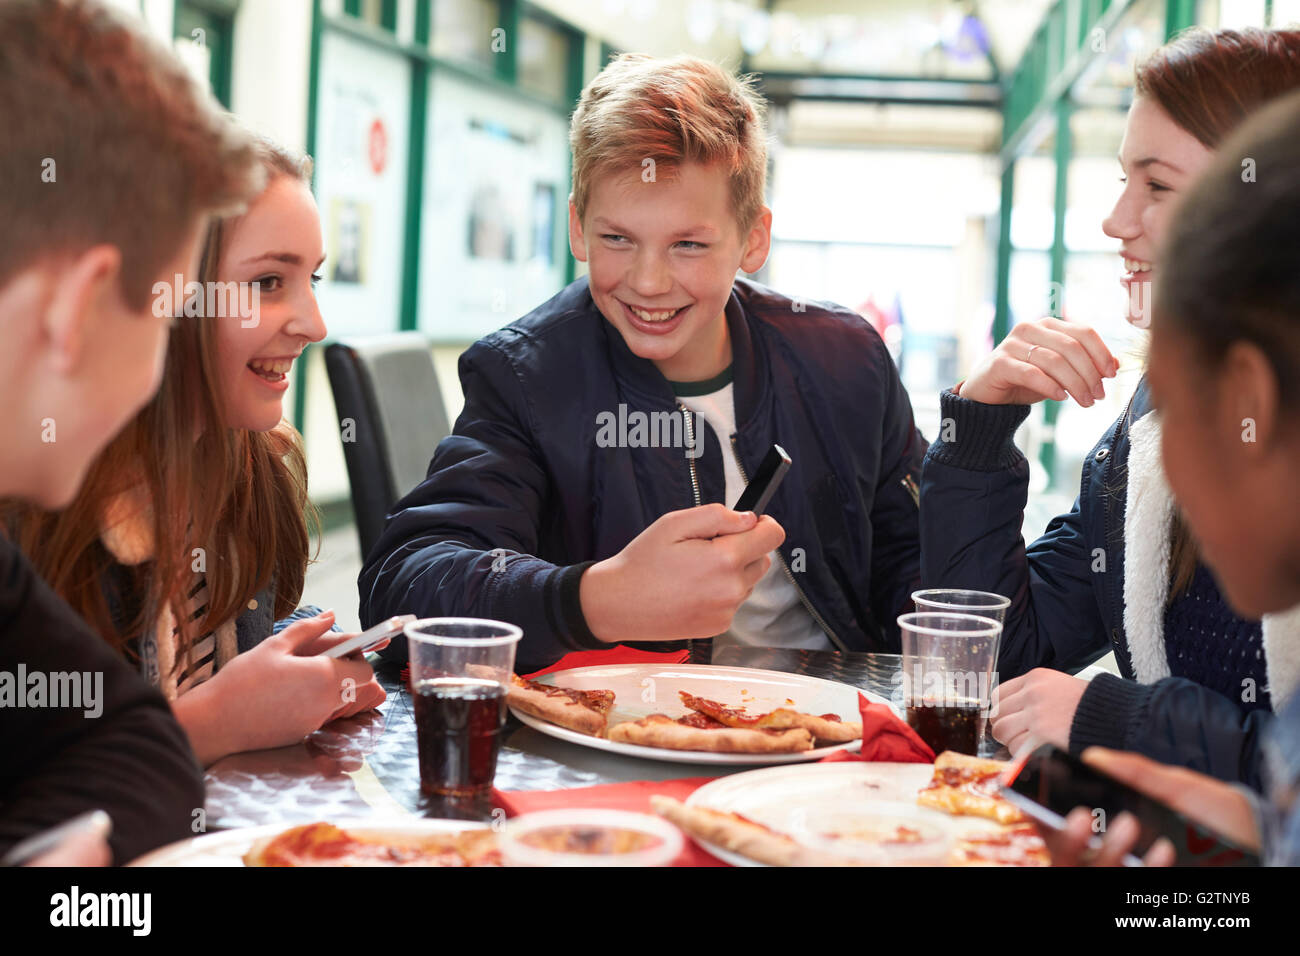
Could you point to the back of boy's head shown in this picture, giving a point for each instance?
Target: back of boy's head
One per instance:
(672, 111)
(107, 139)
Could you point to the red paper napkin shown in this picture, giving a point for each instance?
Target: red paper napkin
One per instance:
(633, 796)
(885, 738)
(618, 654)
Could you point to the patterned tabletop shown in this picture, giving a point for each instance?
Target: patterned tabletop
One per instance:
(367, 765)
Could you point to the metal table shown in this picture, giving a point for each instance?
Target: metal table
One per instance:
(367, 765)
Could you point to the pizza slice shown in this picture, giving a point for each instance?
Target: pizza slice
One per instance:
(586, 711)
(968, 786)
(323, 844)
(700, 732)
(738, 834)
(827, 727)
(1017, 845)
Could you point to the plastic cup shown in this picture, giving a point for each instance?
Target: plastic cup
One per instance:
(460, 670)
(589, 838)
(948, 677)
(888, 834)
(958, 601)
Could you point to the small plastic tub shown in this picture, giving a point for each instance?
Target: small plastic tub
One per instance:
(885, 835)
(589, 838)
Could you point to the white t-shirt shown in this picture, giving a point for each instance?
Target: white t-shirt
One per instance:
(772, 615)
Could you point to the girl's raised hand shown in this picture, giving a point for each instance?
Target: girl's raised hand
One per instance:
(1046, 358)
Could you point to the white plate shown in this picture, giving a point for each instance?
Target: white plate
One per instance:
(227, 847)
(644, 689)
(774, 797)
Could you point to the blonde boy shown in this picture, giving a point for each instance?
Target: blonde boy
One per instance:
(537, 511)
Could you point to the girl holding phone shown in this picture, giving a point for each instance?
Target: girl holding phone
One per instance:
(189, 538)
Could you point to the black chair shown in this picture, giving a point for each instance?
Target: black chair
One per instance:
(391, 418)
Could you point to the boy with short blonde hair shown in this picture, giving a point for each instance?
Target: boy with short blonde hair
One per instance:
(563, 501)
(656, 114)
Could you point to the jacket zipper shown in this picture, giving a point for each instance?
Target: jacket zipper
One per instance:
(910, 486)
(690, 462)
(786, 568)
(695, 490)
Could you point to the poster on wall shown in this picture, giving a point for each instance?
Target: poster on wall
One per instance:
(361, 148)
(496, 186)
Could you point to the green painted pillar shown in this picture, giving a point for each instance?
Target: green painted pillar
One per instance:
(506, 64)
(313, 88)
(1056, 290)
(419, 116)
(1179, 15)
(573, 84)
(1002, 294)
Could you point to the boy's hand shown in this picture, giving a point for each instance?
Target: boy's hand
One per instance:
(681, 578)
(1046, 358)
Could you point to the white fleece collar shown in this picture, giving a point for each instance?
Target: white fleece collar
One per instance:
(1282, 655)
(1147, 519)
(1147, 516)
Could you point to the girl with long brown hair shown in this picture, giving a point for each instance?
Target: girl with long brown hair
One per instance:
(1119, 572)
(189, 538)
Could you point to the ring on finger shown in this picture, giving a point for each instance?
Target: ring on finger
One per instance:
(1029, 356)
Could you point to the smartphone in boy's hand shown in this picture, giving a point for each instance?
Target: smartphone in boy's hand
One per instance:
(766, 480)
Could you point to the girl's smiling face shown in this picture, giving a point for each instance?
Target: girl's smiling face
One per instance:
(1160, 161)
(276, 246)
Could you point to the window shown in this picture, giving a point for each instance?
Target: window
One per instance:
(544, 53)
(462, 31)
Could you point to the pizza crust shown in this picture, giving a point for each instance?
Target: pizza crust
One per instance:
(323, 844)
(1017, 845)
(831, 731)
(963, 785)
(558, 708)
(662, 731)
(951, 760)
(734, 833)
(783, 718)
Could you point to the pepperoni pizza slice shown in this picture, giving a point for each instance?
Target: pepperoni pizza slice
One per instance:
(323, 844)
(826, 727)
(586, 711)
(968, 786)
(1016, 845)
(698, 731)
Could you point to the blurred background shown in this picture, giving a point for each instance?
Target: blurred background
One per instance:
(941, 166)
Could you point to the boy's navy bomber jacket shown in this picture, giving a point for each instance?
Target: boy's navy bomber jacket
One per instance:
(526, 492)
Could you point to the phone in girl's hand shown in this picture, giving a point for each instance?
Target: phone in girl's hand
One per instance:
(381, 632)
(1049, 782)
